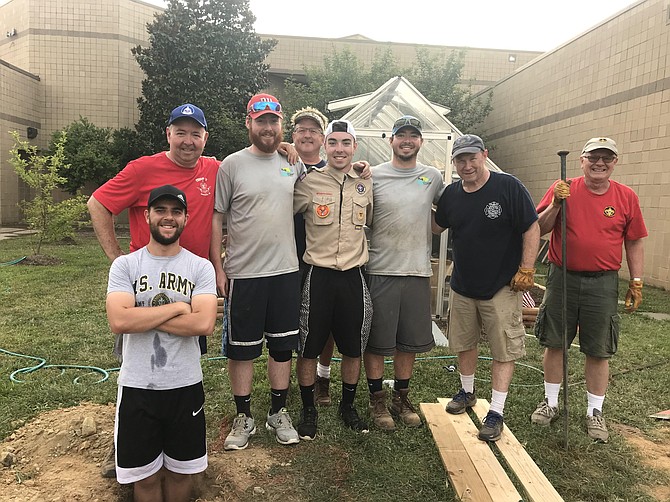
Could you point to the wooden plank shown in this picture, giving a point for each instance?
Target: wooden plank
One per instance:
(474, 471)
(461, 471)
(534, 482)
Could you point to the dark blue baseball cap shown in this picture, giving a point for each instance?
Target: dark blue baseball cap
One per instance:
(188, 111)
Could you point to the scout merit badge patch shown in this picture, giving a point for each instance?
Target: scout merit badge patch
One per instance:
(360, 188)
(322, 210)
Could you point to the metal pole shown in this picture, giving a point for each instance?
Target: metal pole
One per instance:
(564, 313)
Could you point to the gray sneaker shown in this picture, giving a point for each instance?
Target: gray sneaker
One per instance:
(492, 427)
(280, 423)
(544, 414)
(596, 428)
(238, 438)
(461, 401)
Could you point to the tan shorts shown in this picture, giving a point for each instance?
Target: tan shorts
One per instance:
(498, 320)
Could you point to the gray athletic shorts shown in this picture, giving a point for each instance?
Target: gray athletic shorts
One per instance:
(401, 319)
(592, 310)
(499, 319)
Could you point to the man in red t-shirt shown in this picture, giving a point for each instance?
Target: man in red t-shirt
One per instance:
(602, 216)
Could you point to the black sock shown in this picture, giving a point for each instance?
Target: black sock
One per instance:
(348, 393)
(243, 404)
(401, 384)
(307, 395)
(278, 399)
(374, 385)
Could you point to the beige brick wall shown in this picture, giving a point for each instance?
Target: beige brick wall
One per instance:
(612, 81)
(22, 104)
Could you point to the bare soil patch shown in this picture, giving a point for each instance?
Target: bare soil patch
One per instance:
(41, 260)
(654, 452)
(52, 460)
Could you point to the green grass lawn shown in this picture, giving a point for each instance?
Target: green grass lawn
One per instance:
(57, 313)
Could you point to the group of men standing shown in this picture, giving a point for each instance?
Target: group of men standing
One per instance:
(373, 303)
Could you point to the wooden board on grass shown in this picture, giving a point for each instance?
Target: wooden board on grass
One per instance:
(535, 483)
(473, 470)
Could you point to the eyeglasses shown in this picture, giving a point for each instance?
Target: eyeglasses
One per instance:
(407, 121)
(305, 130)
(607, 159)
(262, 106)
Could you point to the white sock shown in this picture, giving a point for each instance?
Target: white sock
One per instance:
(498, 401)
(468, 383)
(322, 371)
(551, 391)
(594, 402)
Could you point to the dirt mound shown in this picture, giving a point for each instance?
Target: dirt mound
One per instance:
(57, 457)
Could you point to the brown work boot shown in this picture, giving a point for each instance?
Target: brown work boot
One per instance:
(402, 408)
(322, 391)
(379, 413)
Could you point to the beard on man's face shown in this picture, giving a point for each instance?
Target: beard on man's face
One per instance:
(160, 238)
(261, 140)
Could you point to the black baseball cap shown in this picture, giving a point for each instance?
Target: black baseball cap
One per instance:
(169, 191)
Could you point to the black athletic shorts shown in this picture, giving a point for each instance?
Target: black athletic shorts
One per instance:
(159, 428)
(262, 308)
(334, 302)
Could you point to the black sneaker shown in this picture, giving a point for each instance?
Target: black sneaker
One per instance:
(308, 420)
(461, 401)
(351, 419)
(492, 427)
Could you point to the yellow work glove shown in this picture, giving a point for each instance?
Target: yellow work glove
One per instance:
(634, 295)
(523, 280)
(561, 192)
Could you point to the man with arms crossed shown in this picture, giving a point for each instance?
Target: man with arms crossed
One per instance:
(161, 298)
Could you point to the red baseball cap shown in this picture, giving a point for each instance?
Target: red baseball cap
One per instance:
(260, 104)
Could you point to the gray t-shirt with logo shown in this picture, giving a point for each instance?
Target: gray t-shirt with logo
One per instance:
(157, 360)
(400, 237)
(256, 193)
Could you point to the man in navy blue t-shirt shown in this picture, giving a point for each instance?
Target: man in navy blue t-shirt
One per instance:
(495, 241)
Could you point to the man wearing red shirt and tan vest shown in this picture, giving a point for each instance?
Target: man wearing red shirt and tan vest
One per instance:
(602, 215)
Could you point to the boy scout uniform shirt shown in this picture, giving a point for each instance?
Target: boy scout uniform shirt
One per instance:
(337, 206)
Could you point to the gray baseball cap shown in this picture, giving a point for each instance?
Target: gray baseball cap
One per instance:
(468, 143)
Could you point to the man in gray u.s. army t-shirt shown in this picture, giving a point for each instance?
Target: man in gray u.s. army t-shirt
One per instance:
(158, 360)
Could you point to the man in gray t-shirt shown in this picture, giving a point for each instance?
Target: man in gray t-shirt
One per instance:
(399, 270)
(161, 298)
(260, 279)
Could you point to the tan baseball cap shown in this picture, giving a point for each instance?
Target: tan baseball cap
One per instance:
(596, 143)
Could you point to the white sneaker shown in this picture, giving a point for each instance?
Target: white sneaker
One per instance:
(238, 438)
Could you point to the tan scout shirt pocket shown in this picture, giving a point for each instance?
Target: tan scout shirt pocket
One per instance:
(360, 207)
(323, 209)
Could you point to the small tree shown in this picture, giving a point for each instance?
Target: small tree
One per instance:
(53, 220)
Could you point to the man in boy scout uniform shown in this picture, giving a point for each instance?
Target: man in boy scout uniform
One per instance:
(337, 205)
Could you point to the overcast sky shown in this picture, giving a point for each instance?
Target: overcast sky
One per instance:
(534, 25)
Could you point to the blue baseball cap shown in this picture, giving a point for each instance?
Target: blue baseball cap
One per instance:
(188, 111)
